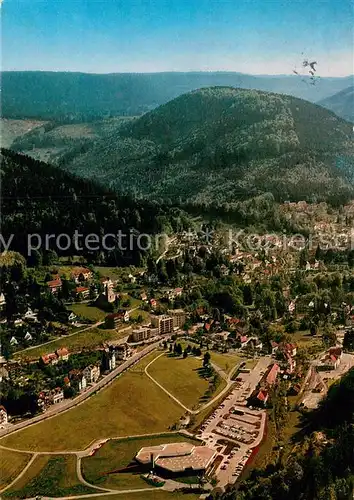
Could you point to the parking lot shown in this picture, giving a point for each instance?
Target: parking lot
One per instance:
(234, 429)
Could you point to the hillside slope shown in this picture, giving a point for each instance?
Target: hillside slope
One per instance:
(38, 198)
(222, 144)
(83, 97)
(341, 103)
(53, 139)
(10, 130)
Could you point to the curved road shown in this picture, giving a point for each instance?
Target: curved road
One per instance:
(227, 378)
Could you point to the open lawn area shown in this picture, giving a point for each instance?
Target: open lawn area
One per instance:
(181, 378)
(312, 344)
(132, 404)
(250, 363)
(11, 464)
(155, 494)
(86, 311)
(49, 475)
(226, 361)
(88, 339)
(140, 312)
(117, 455)
(133, 302)
(115, 273)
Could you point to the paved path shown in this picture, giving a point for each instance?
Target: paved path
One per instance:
(93, 495)
(228, 380)
(32, 459)
(168, 243)
(83, 480)
(95, 325)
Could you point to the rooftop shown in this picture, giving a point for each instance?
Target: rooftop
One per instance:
(177, 457)
(272, 375)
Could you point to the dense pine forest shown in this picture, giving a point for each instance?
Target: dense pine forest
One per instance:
(222, 145)
(39, 198)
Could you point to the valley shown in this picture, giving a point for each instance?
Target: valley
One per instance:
(176, 266)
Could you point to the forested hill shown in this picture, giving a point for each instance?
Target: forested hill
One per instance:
(39, 198)
(82, 97)
(218, 145)
(341, 103)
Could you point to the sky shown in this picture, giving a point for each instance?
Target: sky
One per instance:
(248, 36)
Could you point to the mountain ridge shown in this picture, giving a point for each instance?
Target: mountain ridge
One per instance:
(241, 142)
(341, 103)
(75, 96)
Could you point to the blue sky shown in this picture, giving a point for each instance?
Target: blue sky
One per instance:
(250, 36)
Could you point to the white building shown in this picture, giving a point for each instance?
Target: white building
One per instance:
(3, 416)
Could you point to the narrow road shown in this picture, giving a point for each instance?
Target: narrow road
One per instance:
(93, 495)
(162, 387)
(82, 479)
(67, 405)
(58, 338)
(22, 473)
(90, 327)
(229, 383)
(168, 242)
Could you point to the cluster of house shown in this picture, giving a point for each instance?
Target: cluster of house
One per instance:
(237, 336)
(50, 397)
(285, 365)
(28, 318)
(78, 275)
(168, 293)
(163, 324)
(81, 378)
(82, 276)
(53, 358)
(331, 360)
(285, 354)
(112, 355)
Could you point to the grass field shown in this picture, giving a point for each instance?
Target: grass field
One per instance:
(117, 455)
(115, 273)
(132, 404)
(250, 363)
(306, 340)
(11, 464)
(180, 377)
(140, 312)
(86, 311)
(51, 476)
(225, 361)
(89, 338)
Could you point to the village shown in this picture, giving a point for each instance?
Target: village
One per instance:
(253, 330)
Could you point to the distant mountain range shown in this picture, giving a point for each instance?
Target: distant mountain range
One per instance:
(218, 145)
(341, 103)
(85, 97)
